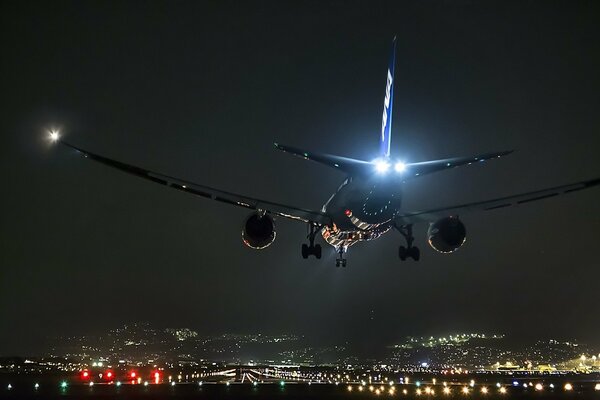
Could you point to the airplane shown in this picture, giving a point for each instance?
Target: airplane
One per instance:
(365, 206)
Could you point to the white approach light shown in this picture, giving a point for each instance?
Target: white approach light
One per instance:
(54, 136)
(400, 167)
(381, 165)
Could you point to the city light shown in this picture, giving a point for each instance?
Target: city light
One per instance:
(465, 390)
(503, 390)
(597, 387)
(539, 386)
(118, 383)
(446, 390)
(484, 390)
(568, 387)
(349, 388)
(91, 383)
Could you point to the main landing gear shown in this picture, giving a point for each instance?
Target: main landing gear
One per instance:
(341, 261)
(312, 249)
(409, 251)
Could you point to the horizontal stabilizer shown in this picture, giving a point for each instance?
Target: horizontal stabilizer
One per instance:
(351, 166)
(427, 167)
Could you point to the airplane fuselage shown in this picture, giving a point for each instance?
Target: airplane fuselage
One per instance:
(361, 209)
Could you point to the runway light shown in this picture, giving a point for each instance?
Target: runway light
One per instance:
(400, 167)
(118, 384)
(503, 390)
(63, 384)
(349, 388)
(145, 383)
(465, 390)
(36, 386)
(484, 390)
(446, 390)
(539, 386)
(404, 391)
(254, 383)
(282, 383)
(173, 383)
(9, 386)
(381, 165)
(360, 388)
(597, 387)
(92, 383)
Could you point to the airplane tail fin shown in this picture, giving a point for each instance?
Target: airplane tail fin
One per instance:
(386, 122)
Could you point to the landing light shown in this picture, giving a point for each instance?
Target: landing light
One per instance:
(54, 136)
(381, 166)
(400, 166)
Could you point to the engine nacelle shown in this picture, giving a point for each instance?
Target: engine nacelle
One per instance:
(258, 231)
(447, 234)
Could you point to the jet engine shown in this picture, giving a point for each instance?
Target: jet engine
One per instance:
(258, 231)
(447, 234)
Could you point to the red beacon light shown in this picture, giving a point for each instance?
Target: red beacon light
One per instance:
(132, 374)
(85, 374)
(109, 375)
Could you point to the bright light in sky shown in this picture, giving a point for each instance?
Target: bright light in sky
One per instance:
(400, 166)
(54, 136)
(381, 165)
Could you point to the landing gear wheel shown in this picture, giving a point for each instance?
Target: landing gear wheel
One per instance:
(402, 253)
(415, 253)
(305, 251)
(409, 251)
(311, 249)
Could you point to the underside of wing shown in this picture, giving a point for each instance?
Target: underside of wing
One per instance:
(300, 214)
(435, 214)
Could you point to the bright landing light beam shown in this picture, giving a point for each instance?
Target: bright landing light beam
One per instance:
(54, 136)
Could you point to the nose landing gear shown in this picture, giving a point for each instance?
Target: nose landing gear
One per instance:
(409, 251)
(341, 261)
(312, 249)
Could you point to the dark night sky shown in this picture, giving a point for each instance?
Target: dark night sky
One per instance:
(200, 90)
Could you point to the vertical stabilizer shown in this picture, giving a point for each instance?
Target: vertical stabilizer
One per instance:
(386, 123)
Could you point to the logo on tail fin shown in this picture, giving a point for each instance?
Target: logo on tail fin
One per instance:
(386, 105)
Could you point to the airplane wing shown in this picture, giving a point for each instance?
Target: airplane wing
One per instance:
(435, 214)
(428, 167)
(299, 214)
